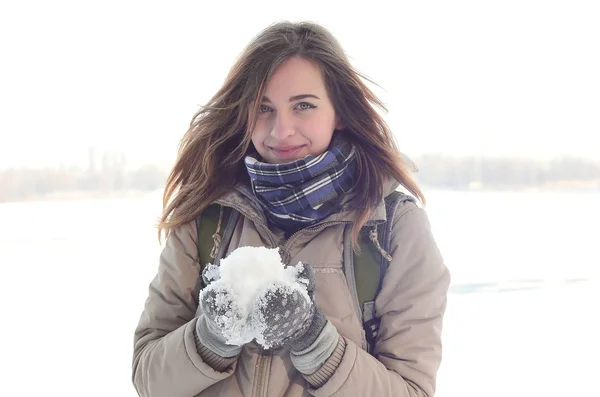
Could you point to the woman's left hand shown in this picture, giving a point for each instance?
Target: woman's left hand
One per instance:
(286, 317)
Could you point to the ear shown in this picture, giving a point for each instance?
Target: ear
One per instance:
(339, 125)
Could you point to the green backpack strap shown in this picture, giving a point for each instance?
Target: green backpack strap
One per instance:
(215, 225)
(371, 265)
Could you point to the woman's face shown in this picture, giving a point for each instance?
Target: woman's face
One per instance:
(295, 117)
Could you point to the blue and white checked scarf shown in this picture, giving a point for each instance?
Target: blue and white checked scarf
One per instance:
(300, 193)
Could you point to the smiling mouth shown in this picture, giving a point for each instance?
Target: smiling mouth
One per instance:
(286, 148)
(287, 151)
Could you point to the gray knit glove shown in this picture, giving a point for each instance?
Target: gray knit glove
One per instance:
(286, 318)
(210, 322)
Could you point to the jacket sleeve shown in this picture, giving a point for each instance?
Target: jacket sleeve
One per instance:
(166, 361)
(411, 305)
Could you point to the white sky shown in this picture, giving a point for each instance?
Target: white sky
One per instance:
(460, 77)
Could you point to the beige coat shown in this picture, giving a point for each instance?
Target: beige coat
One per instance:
(411, 305)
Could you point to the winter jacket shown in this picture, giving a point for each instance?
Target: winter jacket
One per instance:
(411, 305)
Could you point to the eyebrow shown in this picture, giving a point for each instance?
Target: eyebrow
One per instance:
(293, 98)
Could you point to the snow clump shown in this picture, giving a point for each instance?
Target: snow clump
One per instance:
(246, 274)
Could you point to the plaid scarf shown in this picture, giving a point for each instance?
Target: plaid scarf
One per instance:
(300, 193)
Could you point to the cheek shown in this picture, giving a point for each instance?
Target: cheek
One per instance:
(258, 134)
(320, 130)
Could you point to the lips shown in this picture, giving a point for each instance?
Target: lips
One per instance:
(286, 148)
(286, 152)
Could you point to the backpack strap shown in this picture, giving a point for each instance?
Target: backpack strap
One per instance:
(391, 205)
(365, 272)
(215, 226)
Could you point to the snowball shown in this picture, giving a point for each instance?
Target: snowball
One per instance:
(246, 274)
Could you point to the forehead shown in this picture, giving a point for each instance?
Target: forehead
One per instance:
(295, 76)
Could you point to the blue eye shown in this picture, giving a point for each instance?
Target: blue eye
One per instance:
(264, 109)
(305, 106)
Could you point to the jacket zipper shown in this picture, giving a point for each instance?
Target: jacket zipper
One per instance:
(261, 374)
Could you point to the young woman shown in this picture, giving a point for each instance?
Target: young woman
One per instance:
(293, 142)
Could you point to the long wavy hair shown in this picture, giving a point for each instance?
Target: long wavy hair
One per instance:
(210, 157)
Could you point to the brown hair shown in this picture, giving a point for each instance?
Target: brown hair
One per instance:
(210, 154)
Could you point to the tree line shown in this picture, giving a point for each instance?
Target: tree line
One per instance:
(507, 172)
(435, 171)
(31, 184)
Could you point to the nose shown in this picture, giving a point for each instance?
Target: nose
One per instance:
(283, 126)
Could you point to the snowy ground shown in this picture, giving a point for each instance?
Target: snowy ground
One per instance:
(75, 277)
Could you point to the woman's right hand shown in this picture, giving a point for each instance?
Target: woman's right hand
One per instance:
(218, 312)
